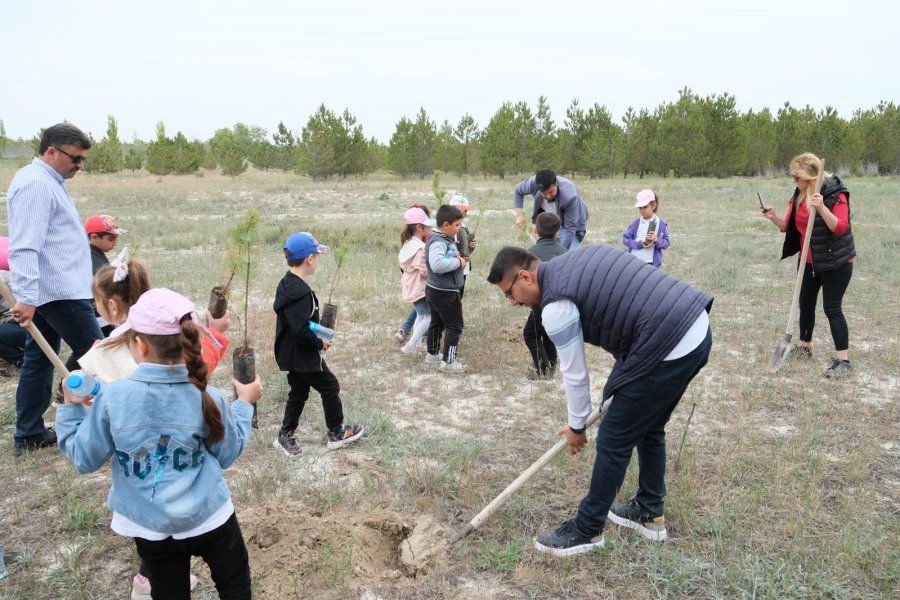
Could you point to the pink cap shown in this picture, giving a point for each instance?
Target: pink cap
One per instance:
(417, 216)
(159, 311)
(644, 197)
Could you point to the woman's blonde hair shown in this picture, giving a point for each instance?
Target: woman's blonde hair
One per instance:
(805, 167)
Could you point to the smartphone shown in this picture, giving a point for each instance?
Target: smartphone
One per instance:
(651, 227)
(762, 205)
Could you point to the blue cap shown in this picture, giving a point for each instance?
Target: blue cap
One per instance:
(303, 244)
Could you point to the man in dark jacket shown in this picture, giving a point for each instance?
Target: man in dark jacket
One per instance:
(298, 349)
(657, 329)
(559, 196)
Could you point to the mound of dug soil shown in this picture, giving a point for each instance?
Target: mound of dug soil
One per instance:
(295, 550)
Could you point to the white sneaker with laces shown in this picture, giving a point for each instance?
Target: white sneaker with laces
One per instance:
(454, 367)
(433, 359)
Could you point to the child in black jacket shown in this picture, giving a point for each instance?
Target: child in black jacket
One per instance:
(298, 350)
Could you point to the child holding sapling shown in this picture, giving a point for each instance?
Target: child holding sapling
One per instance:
(298, 350)
(170, 435)
(116, 288)
(648, 235)
(465, 239)
(414, 272)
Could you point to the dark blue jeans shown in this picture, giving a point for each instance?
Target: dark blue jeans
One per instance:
(12, 343)
(69, 320)
(637, 418)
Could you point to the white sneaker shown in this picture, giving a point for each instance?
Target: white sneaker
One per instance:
(433, 359)
(454, 367)
(405, 349)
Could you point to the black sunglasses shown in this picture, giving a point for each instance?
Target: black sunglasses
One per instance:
(76, 158)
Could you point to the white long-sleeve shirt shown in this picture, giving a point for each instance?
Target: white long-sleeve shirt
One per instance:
(562, 322)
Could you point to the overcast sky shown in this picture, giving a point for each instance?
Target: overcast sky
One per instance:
(201, 65)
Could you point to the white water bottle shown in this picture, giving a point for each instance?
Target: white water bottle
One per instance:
(322, 332)
(83, 384)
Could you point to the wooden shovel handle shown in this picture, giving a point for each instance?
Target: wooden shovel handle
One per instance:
(820, 179)
(527, 474)
(36, 333)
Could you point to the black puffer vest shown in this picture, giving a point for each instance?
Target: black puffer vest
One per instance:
(632, 310)
(829, 251)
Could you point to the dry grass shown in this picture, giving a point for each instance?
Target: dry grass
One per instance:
(788, 485)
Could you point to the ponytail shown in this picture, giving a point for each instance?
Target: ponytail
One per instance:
(409, 232)
(128, 289)
(198, 373)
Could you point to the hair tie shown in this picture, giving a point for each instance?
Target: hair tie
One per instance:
(121, 265)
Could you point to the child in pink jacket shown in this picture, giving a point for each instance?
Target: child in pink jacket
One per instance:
(412, 265)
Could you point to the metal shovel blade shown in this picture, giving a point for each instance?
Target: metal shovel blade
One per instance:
(780, 354)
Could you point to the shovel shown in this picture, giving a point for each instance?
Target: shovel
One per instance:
(539, 464)
(36, 334)
(783, 347)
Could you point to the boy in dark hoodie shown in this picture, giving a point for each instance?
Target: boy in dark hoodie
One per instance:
(298, 350)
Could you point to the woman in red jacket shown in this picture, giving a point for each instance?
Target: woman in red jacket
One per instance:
(829, 263)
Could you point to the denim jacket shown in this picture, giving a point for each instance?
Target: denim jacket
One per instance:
(165, 476)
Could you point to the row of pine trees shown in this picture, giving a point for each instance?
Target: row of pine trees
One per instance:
(692, 136)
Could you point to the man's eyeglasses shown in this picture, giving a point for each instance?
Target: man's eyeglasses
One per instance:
(77, 159)
(508, 292)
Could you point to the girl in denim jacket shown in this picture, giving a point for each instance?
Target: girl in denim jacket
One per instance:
(167, 437)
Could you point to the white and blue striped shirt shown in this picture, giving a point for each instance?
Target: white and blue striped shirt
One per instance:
(49, 257)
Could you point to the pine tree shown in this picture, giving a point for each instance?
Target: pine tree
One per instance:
(284, 148)
(499, 143)
(161, 154)
(468, 134)
(231, 149)
(401, 150)
(4, 141)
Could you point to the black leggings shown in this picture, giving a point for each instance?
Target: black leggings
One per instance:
(833, 285)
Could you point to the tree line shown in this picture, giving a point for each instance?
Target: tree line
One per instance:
(691, 136)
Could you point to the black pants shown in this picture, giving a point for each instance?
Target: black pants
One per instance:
(446, 314)
(833, 285)
(328, 387)
(543, 352)
(637, 418)
(168, 563)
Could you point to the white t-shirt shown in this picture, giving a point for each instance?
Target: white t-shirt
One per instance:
(645, 254)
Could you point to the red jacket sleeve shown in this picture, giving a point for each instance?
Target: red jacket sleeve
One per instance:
(213, 344)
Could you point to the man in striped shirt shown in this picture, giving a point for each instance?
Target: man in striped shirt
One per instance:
(50, 267)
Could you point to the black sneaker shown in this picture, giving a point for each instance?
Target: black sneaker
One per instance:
(800, 352)
(287, 443)
(838, 368)
(566, 540)
(652, 527)
(345, 434)
(44, 440)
